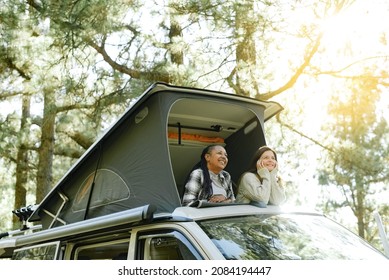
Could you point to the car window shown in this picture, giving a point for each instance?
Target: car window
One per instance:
(286, 237)
(165, 246)
(113, 250)
(48, 251)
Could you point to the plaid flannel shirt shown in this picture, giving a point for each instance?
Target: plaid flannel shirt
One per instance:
(194, 191)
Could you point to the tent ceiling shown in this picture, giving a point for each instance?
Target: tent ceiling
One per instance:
(200, 116)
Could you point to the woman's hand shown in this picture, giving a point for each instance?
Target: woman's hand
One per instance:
(218, 198)
(260, 164)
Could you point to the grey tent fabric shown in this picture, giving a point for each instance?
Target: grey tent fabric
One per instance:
(134, 163)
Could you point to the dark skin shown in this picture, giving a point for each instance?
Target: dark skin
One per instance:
(217, 160)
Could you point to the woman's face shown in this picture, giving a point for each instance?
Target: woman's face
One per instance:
(216, 159)
(267, 160)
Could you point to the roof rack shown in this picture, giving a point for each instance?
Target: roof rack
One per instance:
(20, 231)
(136, 215)
(23, 214)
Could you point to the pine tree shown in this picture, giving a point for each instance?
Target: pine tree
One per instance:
(357, 163)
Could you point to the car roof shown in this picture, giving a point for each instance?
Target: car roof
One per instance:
(234, 211)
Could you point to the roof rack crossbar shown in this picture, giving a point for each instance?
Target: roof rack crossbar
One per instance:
(24, 230)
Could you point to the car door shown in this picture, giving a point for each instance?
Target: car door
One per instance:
(168, 244)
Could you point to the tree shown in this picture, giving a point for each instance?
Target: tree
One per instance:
(16, 150)
(357, 162)
(45, 78)
(22, 156)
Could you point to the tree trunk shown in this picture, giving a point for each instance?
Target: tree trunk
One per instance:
(22, 160)
(246, 49)
(360, 210)
(176, 53)
(46, 150)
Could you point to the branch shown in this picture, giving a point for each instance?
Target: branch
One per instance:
(154, 76)
(379, 179)
(332, 150)
(297, 74)
(75, 106)
(80, 139)
(334, 72)
(7, 95)
(230, 82)
(35, 5)
(68, 152)
(303, 135)
(104, 100)
(13, 66)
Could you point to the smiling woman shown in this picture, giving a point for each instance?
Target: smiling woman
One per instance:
(261, 184)
(208, 181)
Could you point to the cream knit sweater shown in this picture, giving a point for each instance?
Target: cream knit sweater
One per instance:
(268, 191)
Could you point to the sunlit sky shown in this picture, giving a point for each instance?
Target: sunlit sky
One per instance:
(361, 29)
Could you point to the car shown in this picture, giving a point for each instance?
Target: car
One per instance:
(122, 198)
(230, 232)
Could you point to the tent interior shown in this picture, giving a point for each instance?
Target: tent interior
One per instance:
(194, 124)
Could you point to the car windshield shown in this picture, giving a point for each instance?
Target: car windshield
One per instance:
(286, 237)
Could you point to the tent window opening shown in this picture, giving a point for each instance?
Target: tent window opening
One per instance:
(194, 124)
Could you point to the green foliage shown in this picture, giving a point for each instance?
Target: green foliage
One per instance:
(7, 195)
(358, 160)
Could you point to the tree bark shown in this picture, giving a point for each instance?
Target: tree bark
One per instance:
(246, 49)
(46, 149)
(22, 160)
(360, 209)
(176, 56)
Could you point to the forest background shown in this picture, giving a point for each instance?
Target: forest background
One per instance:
(69, 68)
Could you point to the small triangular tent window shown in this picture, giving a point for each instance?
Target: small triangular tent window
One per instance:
(108, 188)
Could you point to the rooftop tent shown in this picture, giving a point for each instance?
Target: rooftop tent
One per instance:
(145, 156)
